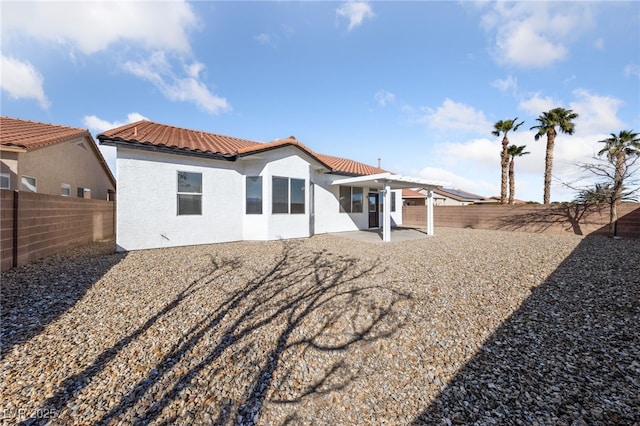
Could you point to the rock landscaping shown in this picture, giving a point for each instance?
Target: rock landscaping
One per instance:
(467, 327)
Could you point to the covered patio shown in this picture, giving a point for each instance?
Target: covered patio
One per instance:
(385, 182)
(376, 235)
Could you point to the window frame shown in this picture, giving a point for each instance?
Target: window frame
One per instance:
(64, 186)
(294, 207)
(290, 209)
(195, 195)
(257, 206)
(343, 197)
(8, 177)
(84, 190)
(35, 185)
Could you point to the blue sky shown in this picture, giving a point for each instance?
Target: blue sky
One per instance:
(417, 84)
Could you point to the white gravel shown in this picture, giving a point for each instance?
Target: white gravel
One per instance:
(467, 327)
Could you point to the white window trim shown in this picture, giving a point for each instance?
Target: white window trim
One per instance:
(30, 177)
(65, 186)
(178, 193)
(8, 176)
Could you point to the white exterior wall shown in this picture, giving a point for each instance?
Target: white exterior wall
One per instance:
(286, 162)
(147, 201)
(328, 217)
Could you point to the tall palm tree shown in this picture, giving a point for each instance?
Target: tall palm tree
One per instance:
(618, 148)
(547, 123)
(504, 127)
(514, 151)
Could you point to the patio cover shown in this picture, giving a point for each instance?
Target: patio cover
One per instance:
(388, 181)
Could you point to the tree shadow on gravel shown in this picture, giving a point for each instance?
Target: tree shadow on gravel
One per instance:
(38, 293)
(569, 355)
(254, 339)
(279, 300)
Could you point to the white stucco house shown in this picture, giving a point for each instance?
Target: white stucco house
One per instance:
(180, 187)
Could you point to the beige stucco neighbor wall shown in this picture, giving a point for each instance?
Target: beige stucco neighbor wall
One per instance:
(74, 163)
(46, 224)
(556, 218)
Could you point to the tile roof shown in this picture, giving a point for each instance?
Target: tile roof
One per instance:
(187, 140)
(32, 134)
(410, 193)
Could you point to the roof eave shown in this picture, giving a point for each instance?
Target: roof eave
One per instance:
(12, 148)
(117, 142)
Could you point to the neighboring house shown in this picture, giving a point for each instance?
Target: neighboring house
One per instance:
(411, 197)
(184, 187)
(52, 159)
(456, 197)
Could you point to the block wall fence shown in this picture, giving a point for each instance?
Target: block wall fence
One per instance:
(555, 218)
(34, 225)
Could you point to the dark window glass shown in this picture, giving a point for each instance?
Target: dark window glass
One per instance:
(297, 196)
(345, 199)
(189, 204)
(189, 193)
(254, 194)
(280, 195)
(356, 200)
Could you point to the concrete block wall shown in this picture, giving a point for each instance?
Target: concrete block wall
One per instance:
(47, 224)
(556, 218)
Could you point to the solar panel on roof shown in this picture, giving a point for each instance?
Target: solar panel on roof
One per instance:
(462, 194)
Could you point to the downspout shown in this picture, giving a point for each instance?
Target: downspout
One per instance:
(430, 211)
(14, 261)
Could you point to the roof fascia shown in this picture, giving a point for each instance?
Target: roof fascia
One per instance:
(12, 148)
(163, 149)
(285, 145)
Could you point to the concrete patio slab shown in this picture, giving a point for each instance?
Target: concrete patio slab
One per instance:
(375, 235)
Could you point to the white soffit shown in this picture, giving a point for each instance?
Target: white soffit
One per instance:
(384, 179)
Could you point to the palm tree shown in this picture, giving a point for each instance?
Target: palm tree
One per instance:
(505, 127)
(547, 123)
(618, 148)
(514, 151)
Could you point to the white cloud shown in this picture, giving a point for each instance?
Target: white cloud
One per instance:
(384, 97)
(454, 116)
(597, 114)
(509, 84)
(599, 44)
(157, 70)
(98, 125)
(482, 152)
(632, 70)
(94, 26)
(265, 39)
(535, 34)
(450, 179)
(356, 12)
(22, 81)
(536, 105)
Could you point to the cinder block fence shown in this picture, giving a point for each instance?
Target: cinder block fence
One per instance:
(556, 218)
(33, 225)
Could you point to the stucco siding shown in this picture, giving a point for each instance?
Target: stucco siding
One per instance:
(9, 166)
(285, 163)
(147, 201)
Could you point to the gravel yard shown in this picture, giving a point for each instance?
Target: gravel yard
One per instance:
(467, 327)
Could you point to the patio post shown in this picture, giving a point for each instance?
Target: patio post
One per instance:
(386, 215)
(430, 211)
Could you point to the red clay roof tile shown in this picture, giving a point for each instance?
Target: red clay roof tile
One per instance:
(32, 134)
(150, 133)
